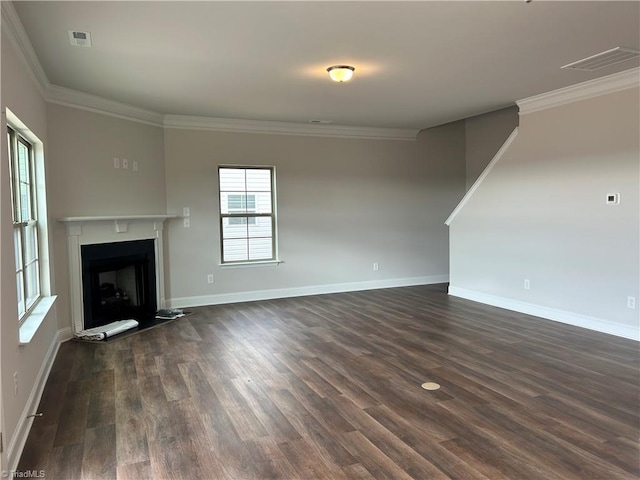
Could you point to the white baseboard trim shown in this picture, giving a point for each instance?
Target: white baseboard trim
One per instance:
(65, 334)
(18, 440)
(183, 302)
(562, 316)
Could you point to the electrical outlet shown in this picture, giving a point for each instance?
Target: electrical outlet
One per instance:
(187, 222)
(613, 199)
(527, 284)
(186, 212)
(15, 384)
(210, 278)
(125, 163)
(631, 302)
(116, 162)
(134, 165)
(376, 267)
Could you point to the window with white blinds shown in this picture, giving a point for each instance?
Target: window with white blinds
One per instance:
(247, 214)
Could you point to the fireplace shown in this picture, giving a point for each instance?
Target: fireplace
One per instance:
(112, 255)
(118, 282)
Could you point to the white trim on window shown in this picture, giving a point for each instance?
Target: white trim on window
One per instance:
(247, 228)
(37, 227)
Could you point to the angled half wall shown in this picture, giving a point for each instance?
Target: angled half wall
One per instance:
(537, 233)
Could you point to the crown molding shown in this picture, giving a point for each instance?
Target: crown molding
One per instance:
(16, 33)
(581, 91)
(92, 103)
(286, 128)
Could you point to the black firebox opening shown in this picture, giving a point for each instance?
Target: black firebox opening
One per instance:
(118, 282)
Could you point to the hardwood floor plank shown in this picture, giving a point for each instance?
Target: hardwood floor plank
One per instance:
(485, 461)
(322, 409)
(131, 435)
(135, 471)
(329, 387)
(99, 456)
(83, 366)
(235, 412)
(428, 447)
(269, 461)
(321, 439)
(102, 406)
(198, 386)
(145, 364)
(301, 371)
(37, 449)
(357, 472)
(371, 458)
(621, 452)
(171, 378)
(125, 374)
(174, 459)
(354, 392)
(306, 461)
(567, 411)
(384, 440)
(72, 423)
(65, 462)
(535, 444)
(157, 412)
(276, 424)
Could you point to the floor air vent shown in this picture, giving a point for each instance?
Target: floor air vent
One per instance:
(604, 59)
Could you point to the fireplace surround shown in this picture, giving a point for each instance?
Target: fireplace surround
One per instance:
(137, 240)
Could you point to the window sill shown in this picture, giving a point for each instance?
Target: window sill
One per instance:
(265, 263)
(33, 321)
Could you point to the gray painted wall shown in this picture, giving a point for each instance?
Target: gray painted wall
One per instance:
(485, 134)
(541, 215)
(82, 145)
(20, 95)
(343, 204)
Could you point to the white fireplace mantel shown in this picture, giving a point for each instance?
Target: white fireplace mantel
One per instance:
(108, 229)
(120, 222)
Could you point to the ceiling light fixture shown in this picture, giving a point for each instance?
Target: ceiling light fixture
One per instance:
(341, 73)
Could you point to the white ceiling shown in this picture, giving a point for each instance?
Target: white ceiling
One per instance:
(418, 64)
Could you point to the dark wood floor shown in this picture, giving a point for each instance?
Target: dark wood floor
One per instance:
(330, 387)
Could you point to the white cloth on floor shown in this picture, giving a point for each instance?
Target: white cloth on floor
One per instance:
(109, 330)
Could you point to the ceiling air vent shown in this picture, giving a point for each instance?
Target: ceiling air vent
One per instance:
(79, 39)
(604, 59)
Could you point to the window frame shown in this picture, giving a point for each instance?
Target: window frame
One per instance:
(249, 216)
(23, 225)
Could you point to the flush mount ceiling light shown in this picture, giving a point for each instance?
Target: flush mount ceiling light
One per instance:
(341, 73)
